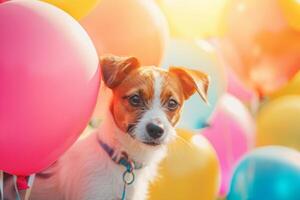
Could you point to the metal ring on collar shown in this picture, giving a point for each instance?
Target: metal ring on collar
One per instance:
(128, 177)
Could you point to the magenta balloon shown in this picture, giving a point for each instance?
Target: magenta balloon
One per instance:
(231, 134)
(48, 84)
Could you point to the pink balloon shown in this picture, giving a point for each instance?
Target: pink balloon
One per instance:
(48, 84)
(238, 89)
(231, 134)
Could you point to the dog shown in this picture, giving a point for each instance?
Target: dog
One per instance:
(120, 158)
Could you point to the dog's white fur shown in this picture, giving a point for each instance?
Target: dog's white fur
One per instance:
(156, 113)
(86, 172)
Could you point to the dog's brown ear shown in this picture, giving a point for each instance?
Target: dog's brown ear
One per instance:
(192, 81)
(114, 69)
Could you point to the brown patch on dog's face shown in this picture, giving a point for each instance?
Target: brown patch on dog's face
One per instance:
(171, 94)
(138, 86)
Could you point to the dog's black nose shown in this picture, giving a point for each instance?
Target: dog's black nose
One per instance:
(155, 131)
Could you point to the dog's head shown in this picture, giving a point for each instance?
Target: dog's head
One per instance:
(147, 101)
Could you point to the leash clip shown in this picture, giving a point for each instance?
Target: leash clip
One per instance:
(128, 178)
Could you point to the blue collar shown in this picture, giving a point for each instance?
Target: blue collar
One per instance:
(124, 160)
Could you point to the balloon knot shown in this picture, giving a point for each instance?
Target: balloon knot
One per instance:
(22, 183)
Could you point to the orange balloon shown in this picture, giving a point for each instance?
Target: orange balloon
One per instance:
(128, 27)
(291, 9)
(260, 45)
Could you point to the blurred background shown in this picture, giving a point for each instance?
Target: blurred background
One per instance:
(245, 144)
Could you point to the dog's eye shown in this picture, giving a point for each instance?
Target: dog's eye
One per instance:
(172, 104)
(135, 100)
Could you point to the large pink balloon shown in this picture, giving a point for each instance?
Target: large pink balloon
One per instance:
(231, 134)
(48, 84)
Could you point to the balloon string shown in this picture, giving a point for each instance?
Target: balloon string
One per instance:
(30, 183)
(255, 104)
(1, 185)
(16, 188)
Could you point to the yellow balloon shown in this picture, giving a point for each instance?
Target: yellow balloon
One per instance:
(76, 8)
(278, 122)
(195, 18)
(292, 88)
(190, 171)
(291, 10)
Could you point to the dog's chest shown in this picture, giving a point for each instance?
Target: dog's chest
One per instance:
(108, 184)
(97, 177)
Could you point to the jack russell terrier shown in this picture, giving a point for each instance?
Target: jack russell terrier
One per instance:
(119, 159)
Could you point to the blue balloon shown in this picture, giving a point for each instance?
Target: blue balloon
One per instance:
(267, 173)
(202, 56)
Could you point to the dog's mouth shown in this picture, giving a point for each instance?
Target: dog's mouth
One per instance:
(149, 143)
(152, 143)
